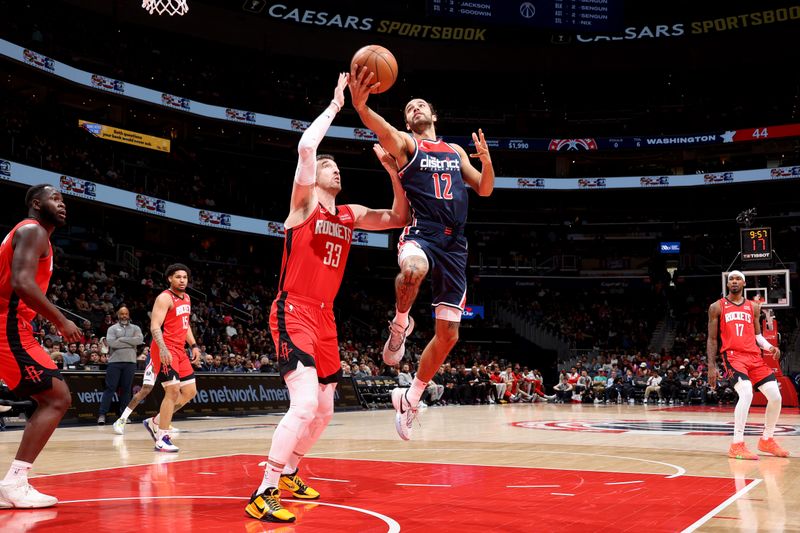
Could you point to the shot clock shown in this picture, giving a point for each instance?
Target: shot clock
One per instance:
(756, 244)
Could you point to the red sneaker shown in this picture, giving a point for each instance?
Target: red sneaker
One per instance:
(770, 446)
(739, 451)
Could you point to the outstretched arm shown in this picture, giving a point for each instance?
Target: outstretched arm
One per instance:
(305, 176)
(393, 141)
(397, 216)
(481, 181)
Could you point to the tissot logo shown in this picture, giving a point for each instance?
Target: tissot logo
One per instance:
(667, 427)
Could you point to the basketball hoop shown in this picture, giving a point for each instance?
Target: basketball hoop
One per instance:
(170, 7)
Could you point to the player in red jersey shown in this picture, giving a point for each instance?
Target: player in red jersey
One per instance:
(172, 311)
(26, 263)
(316, 246)
(736, 320)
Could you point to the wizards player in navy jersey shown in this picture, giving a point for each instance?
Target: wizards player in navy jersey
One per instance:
(434, 175)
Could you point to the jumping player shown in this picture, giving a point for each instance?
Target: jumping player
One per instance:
(172, 310)
(26, 264)
(316, 246)
(736, 321)
(434, 175)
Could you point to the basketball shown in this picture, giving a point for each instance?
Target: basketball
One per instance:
(380, 62)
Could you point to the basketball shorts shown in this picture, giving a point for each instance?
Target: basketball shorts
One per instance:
(179, 371)
(749, 366)
(446, 250)
(149, 377)
(25, 366)
(304, 331)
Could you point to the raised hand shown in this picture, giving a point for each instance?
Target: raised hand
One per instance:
(338, 93)
(360, 85)
(481, 148)
(387, 160)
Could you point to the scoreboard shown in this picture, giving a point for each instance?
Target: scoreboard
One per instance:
(583, 15)
(756, 244)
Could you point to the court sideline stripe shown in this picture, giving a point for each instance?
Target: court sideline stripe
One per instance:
(709, 515)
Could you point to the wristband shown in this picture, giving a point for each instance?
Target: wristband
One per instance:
(193, 346)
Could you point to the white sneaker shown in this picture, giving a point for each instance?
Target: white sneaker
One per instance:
(164, 444)
(395, 347)
(151, 427)
(119, 425)
(405, 414)
(21, 495)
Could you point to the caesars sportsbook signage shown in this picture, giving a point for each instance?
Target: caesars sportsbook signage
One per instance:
(251, 118)
(217, 394)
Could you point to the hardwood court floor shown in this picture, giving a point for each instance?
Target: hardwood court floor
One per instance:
(511, 468)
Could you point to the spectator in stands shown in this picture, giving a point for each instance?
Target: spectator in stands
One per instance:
(599, 384)
(697, 389)
(563, 389)
(71, 357)
(670, 387)
(404, 378)
(653, 385)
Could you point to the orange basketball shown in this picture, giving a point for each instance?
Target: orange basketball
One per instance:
(380, 62)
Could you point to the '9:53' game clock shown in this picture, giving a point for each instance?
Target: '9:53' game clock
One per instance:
(756, 244)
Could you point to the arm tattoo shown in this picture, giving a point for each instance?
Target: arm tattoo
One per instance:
(158, 336)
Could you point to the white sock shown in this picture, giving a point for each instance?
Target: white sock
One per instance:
(157, 419)
(745, 390)
(415, 392)
(126, 413)
(18, 470)
(271, 477)
(401, 318)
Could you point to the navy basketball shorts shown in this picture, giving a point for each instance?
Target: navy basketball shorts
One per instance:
(446, 251)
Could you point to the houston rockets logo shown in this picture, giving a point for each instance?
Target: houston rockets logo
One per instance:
(665, 427)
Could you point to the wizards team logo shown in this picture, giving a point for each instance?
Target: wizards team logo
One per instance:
(568, 145)
(664, 427)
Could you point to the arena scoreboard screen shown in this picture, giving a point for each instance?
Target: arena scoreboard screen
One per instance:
(756, 244)
(583, 15)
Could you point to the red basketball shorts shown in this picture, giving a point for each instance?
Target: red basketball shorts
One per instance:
(179, 370)
(304, 331)
(25, 366)
(749, 366)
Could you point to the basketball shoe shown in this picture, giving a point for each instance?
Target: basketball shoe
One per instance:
(772, 447)
(295, 484)
(395, 347)
(739, 451)
(151, 427)
(405, 414)
(119, 426)
(267, 507)
(164, 444)
(21, 495)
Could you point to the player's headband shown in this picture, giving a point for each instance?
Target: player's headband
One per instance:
(736, 273)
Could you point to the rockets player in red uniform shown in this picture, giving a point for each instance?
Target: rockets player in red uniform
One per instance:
(173, 311)
(26, 263)
(736, 320)
(316, 245)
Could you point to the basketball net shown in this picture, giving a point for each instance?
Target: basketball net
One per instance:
(170, 7)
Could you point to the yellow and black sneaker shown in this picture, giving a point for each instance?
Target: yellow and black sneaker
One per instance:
(267, 507)
(294, 484)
